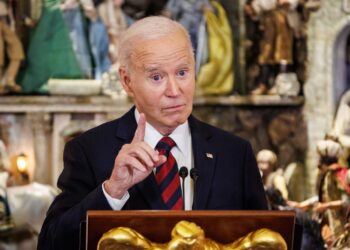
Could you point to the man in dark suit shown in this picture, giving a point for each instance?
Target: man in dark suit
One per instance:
(128, 163)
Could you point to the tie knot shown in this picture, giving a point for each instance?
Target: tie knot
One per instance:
(165, 145)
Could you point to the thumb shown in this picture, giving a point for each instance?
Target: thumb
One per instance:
(141, 127)
(162, 159)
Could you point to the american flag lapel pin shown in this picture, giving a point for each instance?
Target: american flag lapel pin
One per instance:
(209, 155)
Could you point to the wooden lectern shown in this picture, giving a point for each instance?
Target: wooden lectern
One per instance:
(221, 226)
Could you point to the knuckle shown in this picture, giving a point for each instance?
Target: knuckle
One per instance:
(125, 147)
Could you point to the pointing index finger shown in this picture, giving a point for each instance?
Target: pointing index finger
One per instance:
(141, 127)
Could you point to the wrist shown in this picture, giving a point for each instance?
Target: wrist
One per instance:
(114, 190)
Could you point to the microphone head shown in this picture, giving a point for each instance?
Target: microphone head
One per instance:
(194, 174)
(183, 172)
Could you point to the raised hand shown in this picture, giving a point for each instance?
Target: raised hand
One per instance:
(134, 162)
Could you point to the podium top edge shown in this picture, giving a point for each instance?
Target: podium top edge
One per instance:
(200, 213)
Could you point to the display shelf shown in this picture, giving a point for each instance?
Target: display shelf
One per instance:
(96, 104)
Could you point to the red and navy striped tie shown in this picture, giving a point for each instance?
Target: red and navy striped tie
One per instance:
(167, 176)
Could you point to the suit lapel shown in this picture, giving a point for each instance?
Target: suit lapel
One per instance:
(204, 161)
(148, 187)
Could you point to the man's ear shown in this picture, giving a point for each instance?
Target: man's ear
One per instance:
(125, 80)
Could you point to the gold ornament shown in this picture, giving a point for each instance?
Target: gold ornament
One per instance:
(187, 235)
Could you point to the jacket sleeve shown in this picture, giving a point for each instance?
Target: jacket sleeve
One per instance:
(80, 193)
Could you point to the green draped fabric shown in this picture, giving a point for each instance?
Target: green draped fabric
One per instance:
(50, 53)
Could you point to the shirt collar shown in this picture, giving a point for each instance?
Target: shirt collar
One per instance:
(181, 135)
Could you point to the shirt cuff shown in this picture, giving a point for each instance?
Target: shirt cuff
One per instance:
(115, 204)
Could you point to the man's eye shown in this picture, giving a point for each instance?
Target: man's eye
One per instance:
(182, 72)
(156, 77)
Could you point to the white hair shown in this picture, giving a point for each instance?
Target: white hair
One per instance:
(267, 156)
(148, 28)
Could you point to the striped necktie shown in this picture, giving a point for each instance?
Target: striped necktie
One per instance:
(167, 176)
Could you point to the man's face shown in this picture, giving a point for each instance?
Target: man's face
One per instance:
(162, 81)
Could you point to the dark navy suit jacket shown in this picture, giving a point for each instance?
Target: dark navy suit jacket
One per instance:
(230, 180)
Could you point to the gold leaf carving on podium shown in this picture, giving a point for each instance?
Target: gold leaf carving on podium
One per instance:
(189, 236)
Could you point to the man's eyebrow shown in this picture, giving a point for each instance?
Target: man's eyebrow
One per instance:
(151, 69)
(183, 65)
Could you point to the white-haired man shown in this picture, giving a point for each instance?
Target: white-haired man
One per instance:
(130, 165)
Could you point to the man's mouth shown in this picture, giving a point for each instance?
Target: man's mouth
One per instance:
(174, 108)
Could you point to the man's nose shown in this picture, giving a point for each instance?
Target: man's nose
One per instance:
(173, 88)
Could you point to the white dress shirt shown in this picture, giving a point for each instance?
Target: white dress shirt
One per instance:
(182, 152)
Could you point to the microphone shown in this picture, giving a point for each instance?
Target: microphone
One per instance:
(194, 177)
(183, 172)
(194, 174)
